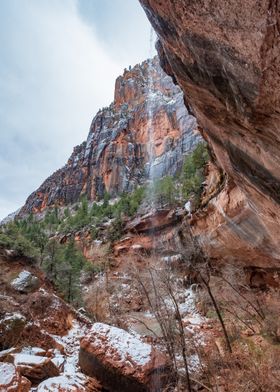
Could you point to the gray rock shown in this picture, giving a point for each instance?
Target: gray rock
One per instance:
(25, 282)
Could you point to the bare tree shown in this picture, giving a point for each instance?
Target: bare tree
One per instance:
(158, 289)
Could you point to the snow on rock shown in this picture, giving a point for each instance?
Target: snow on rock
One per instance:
(25, 282)
(27, 359)
(11, 381)
(35, 367)
(71, 345)
(59, 369)
(188, 206)
(63, 383)
(9, 218)
(33, 351)
(70, 378)
(5, 353)
(11, 327)
(13, 317)
(122, 361)
(52, 314)
(188, 307)
(126, 346)
(7, 373)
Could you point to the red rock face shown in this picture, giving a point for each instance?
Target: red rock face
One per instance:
(225, 57)
(230, 232)
(154, 231)
(115, 156)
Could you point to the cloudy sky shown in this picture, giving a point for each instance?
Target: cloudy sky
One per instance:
(58, 63)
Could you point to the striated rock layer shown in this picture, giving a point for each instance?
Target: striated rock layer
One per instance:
(116, 155)
(225, 57)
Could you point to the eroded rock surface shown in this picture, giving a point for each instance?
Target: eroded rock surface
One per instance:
(115, 156)
(225, 57)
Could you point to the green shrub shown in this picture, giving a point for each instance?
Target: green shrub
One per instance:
(192, 176)
(63, 266)
(115, 230)
(15, 236)
(164, 191)
(5, 241)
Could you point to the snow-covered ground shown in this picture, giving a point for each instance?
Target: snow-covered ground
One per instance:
(70, 378)
(71, 344)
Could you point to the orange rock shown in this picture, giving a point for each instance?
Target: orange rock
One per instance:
(121, 361)
(228, 229)
(52, 311)
(34, 367)
(230, 78)
(115, 156)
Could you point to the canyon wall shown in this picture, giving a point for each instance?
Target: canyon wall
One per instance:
(117, 154)
(225, 57)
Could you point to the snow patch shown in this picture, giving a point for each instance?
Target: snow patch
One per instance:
(24, 280)
(65, 383)
(33, 351)
(7, 373)
(26, 359)
(127, 346)
(71, 344)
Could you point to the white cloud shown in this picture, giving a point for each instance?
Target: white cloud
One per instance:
(54, 76)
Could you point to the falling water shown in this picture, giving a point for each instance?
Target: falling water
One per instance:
(156, 383)
(150, 125)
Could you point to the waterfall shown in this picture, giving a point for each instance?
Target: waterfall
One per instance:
(151, 95)
(150, 125)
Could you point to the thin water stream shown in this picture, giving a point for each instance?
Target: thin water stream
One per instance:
(150, 125)
(156, 387)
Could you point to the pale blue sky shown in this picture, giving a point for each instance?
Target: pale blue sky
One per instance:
(59, 61)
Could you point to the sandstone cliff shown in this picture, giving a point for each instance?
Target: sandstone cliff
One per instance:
(117, 153)
(225, 57)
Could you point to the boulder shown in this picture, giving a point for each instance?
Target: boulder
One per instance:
(34, 367)
(25, 282)
(11, 328)
(11, 380)
(122, 361)
(63, 383)
(69, 383)
(4, 354)
(35, 335)
(52, 312)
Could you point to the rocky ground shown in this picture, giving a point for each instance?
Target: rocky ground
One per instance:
(48, 346)
(149, 310)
